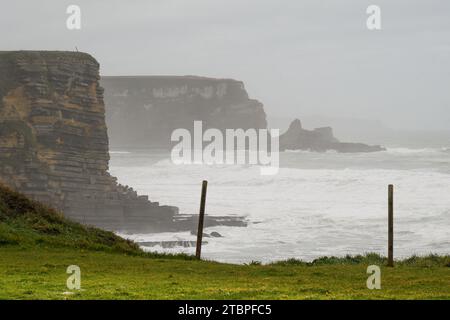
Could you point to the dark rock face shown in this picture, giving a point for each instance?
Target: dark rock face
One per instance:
(150, 108)
(320, 140)
(54, 143)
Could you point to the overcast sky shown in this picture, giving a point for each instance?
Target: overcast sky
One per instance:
(298, 57)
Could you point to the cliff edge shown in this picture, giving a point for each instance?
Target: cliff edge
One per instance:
(152, 107)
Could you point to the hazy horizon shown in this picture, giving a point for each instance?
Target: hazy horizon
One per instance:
(300, 59)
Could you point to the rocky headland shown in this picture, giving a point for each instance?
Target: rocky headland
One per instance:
(319, 140)
(152, 107)
(143, 111)
(54, 144)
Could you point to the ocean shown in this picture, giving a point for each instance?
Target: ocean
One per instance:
(319, 204)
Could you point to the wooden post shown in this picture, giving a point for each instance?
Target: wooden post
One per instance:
(391, 226)
(201, 218)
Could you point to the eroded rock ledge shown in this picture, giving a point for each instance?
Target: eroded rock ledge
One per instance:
(54, 143)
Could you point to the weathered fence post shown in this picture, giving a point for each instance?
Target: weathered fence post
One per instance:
(201, 218)
(391, 226)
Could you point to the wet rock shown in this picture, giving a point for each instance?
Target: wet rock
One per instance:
(171, 244)
(215, 234)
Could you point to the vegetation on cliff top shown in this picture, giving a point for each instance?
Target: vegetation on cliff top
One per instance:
(29, 224)
(37, 244)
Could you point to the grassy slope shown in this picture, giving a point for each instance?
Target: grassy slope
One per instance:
(37, 245)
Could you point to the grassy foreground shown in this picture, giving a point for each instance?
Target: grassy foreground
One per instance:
(37, 245)
(40, 273)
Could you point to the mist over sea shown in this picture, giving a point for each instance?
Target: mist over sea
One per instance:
(319, 204)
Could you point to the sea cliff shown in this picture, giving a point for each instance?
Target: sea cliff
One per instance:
(54, 142)
(143, 111)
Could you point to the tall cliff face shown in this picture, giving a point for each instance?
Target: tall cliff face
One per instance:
(144, 111)
(54, 143)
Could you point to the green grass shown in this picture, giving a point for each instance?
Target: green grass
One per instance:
(30, 224)
(37, 245)
(40, 273)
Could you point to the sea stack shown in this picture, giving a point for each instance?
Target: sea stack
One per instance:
(319, 140)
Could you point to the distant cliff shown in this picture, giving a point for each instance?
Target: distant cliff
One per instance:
(320, 140)
(54, 143)
(144, 111)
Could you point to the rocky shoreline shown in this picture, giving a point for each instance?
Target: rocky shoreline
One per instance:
(54, 144)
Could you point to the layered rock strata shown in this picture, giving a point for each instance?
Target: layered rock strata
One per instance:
(54, 142)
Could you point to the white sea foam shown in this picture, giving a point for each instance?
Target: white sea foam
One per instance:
(414, 151)
(318, 204)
